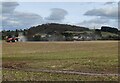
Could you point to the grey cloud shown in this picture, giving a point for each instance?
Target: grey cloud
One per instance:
(9, 7)
(98, 22)
(57, 14)
(21, 20)
(15, 20)
(12, 19)
(109, 3)
(24, 15)
(29, 18)
(119, 10)
(111, 12)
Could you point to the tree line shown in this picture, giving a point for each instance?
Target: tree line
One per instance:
(60, 29)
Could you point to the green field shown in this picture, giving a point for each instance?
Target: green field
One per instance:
(23, 60)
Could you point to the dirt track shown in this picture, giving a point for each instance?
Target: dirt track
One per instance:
(64, 72)
(70, 41)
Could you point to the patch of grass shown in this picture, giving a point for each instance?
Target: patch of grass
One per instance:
(9, 75)
(108, 34)
(92, 56)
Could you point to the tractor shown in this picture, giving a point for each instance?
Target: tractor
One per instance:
(12, 39)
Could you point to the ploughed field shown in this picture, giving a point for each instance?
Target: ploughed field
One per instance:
(41, 61)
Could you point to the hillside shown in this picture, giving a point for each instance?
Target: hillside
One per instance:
(64, 32)
(54, 27)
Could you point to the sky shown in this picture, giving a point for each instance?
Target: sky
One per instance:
(21, 15)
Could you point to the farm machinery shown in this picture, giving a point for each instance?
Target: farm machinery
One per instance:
(12, 39)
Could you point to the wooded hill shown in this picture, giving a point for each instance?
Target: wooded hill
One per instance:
(55, 31)
(54, 27)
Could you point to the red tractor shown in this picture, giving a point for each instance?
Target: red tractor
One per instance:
(12, 39)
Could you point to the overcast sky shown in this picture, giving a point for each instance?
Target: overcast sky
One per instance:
(20, 15)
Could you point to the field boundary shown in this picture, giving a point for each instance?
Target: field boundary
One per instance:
(64, 72)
